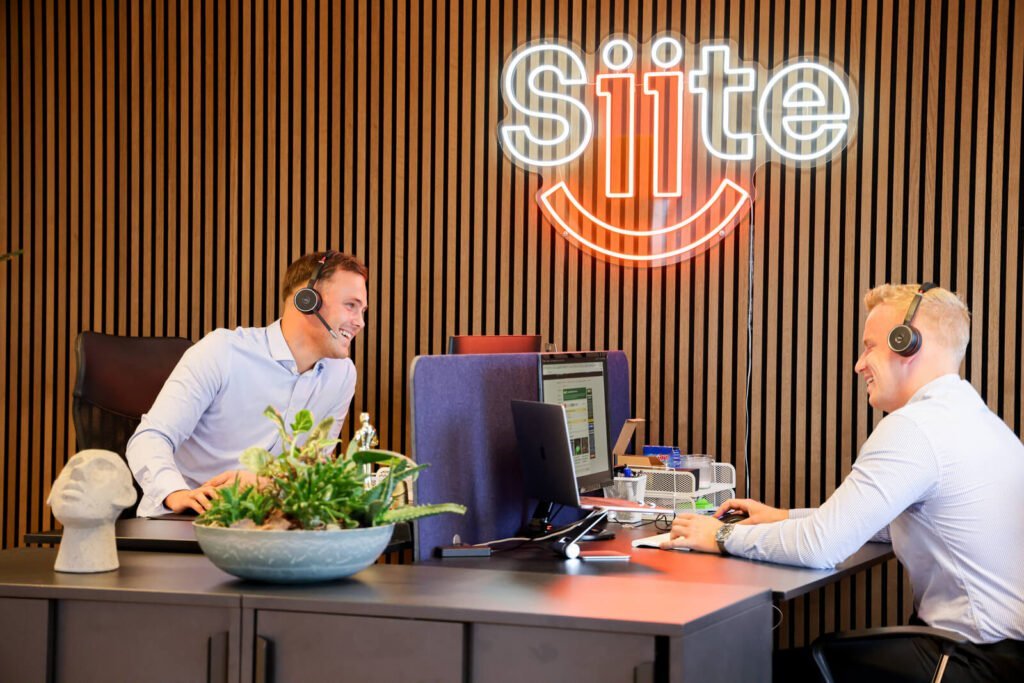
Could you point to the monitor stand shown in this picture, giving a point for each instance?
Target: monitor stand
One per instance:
(540, 525)
(599, 532)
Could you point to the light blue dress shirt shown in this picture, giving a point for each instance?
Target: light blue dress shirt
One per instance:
(947, 477)
(211, 408)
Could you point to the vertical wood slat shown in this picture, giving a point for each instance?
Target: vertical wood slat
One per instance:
(162, 163)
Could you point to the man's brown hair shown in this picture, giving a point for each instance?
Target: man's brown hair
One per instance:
(302, 269)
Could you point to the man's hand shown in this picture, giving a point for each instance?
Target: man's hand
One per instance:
(757, 513)
(194, 499)
(696, 532)
(245, 478)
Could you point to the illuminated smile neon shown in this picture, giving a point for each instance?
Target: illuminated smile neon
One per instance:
(737, 200)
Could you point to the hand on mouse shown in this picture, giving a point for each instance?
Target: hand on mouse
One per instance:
(696, 532)
(757, 513)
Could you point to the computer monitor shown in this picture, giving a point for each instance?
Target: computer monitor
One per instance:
(579, 382)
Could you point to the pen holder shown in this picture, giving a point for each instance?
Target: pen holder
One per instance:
(627, 488)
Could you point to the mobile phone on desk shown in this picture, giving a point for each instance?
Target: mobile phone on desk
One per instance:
(603, 556)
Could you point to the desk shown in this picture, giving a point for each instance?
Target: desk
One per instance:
(178, 536)
(784, 582)
(389, 622)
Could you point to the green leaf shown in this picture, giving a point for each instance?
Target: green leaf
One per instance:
(375, 456)
(321, 431)
(408, 514)
(255, 459)
(303, 422)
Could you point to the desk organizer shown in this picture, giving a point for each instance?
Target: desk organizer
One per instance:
(678, 490)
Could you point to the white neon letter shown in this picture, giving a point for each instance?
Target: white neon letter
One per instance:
(715, 61)
(666, 88)
(520, 140)
(618, 134)
(806, 97)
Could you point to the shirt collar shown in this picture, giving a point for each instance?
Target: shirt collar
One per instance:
(937, 383)
(280, 352)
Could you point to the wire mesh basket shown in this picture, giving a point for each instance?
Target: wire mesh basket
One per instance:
(678, 490)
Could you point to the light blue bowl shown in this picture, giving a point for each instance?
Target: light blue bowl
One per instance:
(295, 556)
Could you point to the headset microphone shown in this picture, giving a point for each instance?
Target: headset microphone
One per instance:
(308, 301)
(905, 339)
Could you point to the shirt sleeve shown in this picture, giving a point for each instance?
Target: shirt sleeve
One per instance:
(192, 386)
(896, 468)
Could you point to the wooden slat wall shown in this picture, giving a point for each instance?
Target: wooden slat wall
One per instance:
(162, 163)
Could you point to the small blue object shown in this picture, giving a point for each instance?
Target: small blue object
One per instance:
(626, 472)
(675, 459)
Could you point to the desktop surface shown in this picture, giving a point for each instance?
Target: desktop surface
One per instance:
(785, 582)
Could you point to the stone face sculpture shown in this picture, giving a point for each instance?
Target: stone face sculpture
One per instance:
(86, 498)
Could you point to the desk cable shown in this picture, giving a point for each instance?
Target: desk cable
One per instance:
(750, 334)
(561, 531)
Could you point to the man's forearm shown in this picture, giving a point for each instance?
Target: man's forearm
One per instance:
(151, 459)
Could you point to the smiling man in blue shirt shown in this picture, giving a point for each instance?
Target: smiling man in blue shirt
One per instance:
(941, 476)
(211, 407)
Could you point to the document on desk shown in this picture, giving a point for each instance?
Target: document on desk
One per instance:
(654, 541)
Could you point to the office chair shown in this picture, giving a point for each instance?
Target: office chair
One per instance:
(118, 380)
(497, 343)
(947, 641)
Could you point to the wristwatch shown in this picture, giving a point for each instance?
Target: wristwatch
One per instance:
(721, 535)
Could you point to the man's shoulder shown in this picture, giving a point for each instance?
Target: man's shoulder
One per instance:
(222, 337)
(221, 343)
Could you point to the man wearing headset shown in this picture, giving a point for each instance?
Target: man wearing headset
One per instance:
(211, 407)
(941, 476)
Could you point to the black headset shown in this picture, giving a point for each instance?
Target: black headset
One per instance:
(307, 300)
(905, 339)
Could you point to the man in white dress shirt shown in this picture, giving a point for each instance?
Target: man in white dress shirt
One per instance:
(941, 476)
(211, 407)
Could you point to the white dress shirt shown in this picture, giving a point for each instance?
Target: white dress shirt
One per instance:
(211, 408)
(947, 477)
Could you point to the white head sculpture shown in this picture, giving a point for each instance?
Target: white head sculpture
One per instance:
(87, 498)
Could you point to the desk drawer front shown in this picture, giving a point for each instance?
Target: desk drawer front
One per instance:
(514, 654)
(299, 646)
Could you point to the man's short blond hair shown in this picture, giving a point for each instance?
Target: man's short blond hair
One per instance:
(945, 311)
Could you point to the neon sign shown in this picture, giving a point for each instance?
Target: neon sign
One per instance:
(647, 152)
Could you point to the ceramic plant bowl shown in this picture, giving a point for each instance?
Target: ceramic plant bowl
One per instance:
(295, 556)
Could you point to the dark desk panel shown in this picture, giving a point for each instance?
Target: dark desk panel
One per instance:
(452, 623)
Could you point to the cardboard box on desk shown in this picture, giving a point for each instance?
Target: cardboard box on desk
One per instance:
(622, 443)
(639, 461)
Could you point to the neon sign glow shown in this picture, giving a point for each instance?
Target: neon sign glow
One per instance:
(647, 152)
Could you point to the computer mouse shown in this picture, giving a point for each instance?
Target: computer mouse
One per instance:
(732, 517)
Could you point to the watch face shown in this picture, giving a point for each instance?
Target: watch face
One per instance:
(721, 535)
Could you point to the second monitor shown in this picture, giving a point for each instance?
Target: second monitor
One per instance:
(579, 382)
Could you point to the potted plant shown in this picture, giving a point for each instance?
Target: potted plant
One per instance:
(314, 515)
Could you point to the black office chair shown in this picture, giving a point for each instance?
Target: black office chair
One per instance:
(947, 641)
(118, 380)
(497, 343)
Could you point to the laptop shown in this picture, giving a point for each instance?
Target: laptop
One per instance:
(545, 451)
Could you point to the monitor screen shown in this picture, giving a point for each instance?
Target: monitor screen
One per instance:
(579, 382)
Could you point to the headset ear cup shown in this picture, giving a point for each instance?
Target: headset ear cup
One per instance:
(307, 300)
(905, 340)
